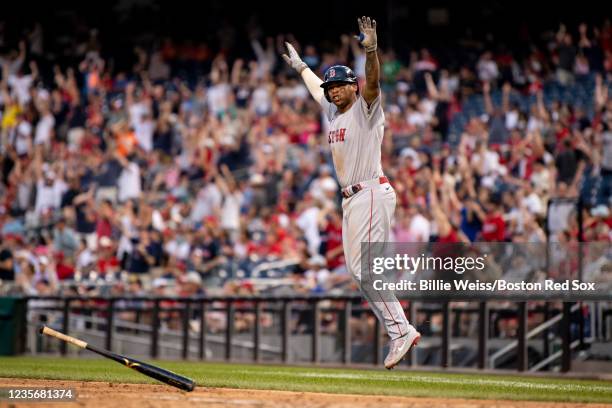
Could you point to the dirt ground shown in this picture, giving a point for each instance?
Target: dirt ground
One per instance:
(108, 395)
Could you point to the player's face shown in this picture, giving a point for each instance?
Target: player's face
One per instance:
(342, 95)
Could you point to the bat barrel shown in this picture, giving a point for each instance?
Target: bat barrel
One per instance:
(165, 376)
(149, 370)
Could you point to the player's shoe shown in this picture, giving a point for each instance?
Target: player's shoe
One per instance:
(401, 346)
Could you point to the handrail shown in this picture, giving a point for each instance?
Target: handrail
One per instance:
(534, 332)
(273, 265)
(410, 296)
(169, 332)
(553, 357)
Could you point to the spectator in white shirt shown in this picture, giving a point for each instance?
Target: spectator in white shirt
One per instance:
(44, 127)
(487, 68)
(129, 183)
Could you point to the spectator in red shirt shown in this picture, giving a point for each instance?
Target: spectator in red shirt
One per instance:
(493, 227)
(104, 225)
(333, 244)
(107, 261)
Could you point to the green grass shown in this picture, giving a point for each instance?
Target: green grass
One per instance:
(329, 380)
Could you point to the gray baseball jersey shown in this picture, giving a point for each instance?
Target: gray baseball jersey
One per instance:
(355, 139)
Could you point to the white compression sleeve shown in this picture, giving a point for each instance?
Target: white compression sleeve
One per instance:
(313, 83)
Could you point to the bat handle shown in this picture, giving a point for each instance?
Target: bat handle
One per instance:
(50, 332)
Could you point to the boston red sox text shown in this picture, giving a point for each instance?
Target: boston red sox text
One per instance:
(477, 285)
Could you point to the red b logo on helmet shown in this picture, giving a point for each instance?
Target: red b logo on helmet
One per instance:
(332, 73)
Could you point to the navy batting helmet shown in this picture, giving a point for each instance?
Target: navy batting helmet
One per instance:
(338, 74)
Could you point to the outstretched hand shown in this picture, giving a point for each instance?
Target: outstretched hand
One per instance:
(367, 33)
(293, 59)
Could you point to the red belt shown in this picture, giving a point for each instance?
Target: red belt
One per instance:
(355, 188)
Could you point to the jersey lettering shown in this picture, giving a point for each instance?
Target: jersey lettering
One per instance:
(335, 136)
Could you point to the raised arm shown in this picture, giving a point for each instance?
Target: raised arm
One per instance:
(486, 95)
(367, 38)
(432, 89)
(506, 90)
(34, 70)
(236, 71)
(601, 92)
(312, 81)
(541, 106)
(441, 219)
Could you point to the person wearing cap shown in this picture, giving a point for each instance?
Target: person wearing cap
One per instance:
(355, 136)
(190, 284)
(159, 285)
(317, 273)
(599, 227)
(64, 238)
(107, 261)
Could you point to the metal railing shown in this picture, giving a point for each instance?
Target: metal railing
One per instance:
(283, 307)
(521, 342)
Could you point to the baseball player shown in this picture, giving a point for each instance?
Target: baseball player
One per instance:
(355, 136)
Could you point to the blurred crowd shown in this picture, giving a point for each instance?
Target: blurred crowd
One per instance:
(202, 172)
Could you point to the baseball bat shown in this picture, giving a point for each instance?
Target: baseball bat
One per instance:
(152, 371)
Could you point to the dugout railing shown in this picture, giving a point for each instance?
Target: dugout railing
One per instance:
(560, 316)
